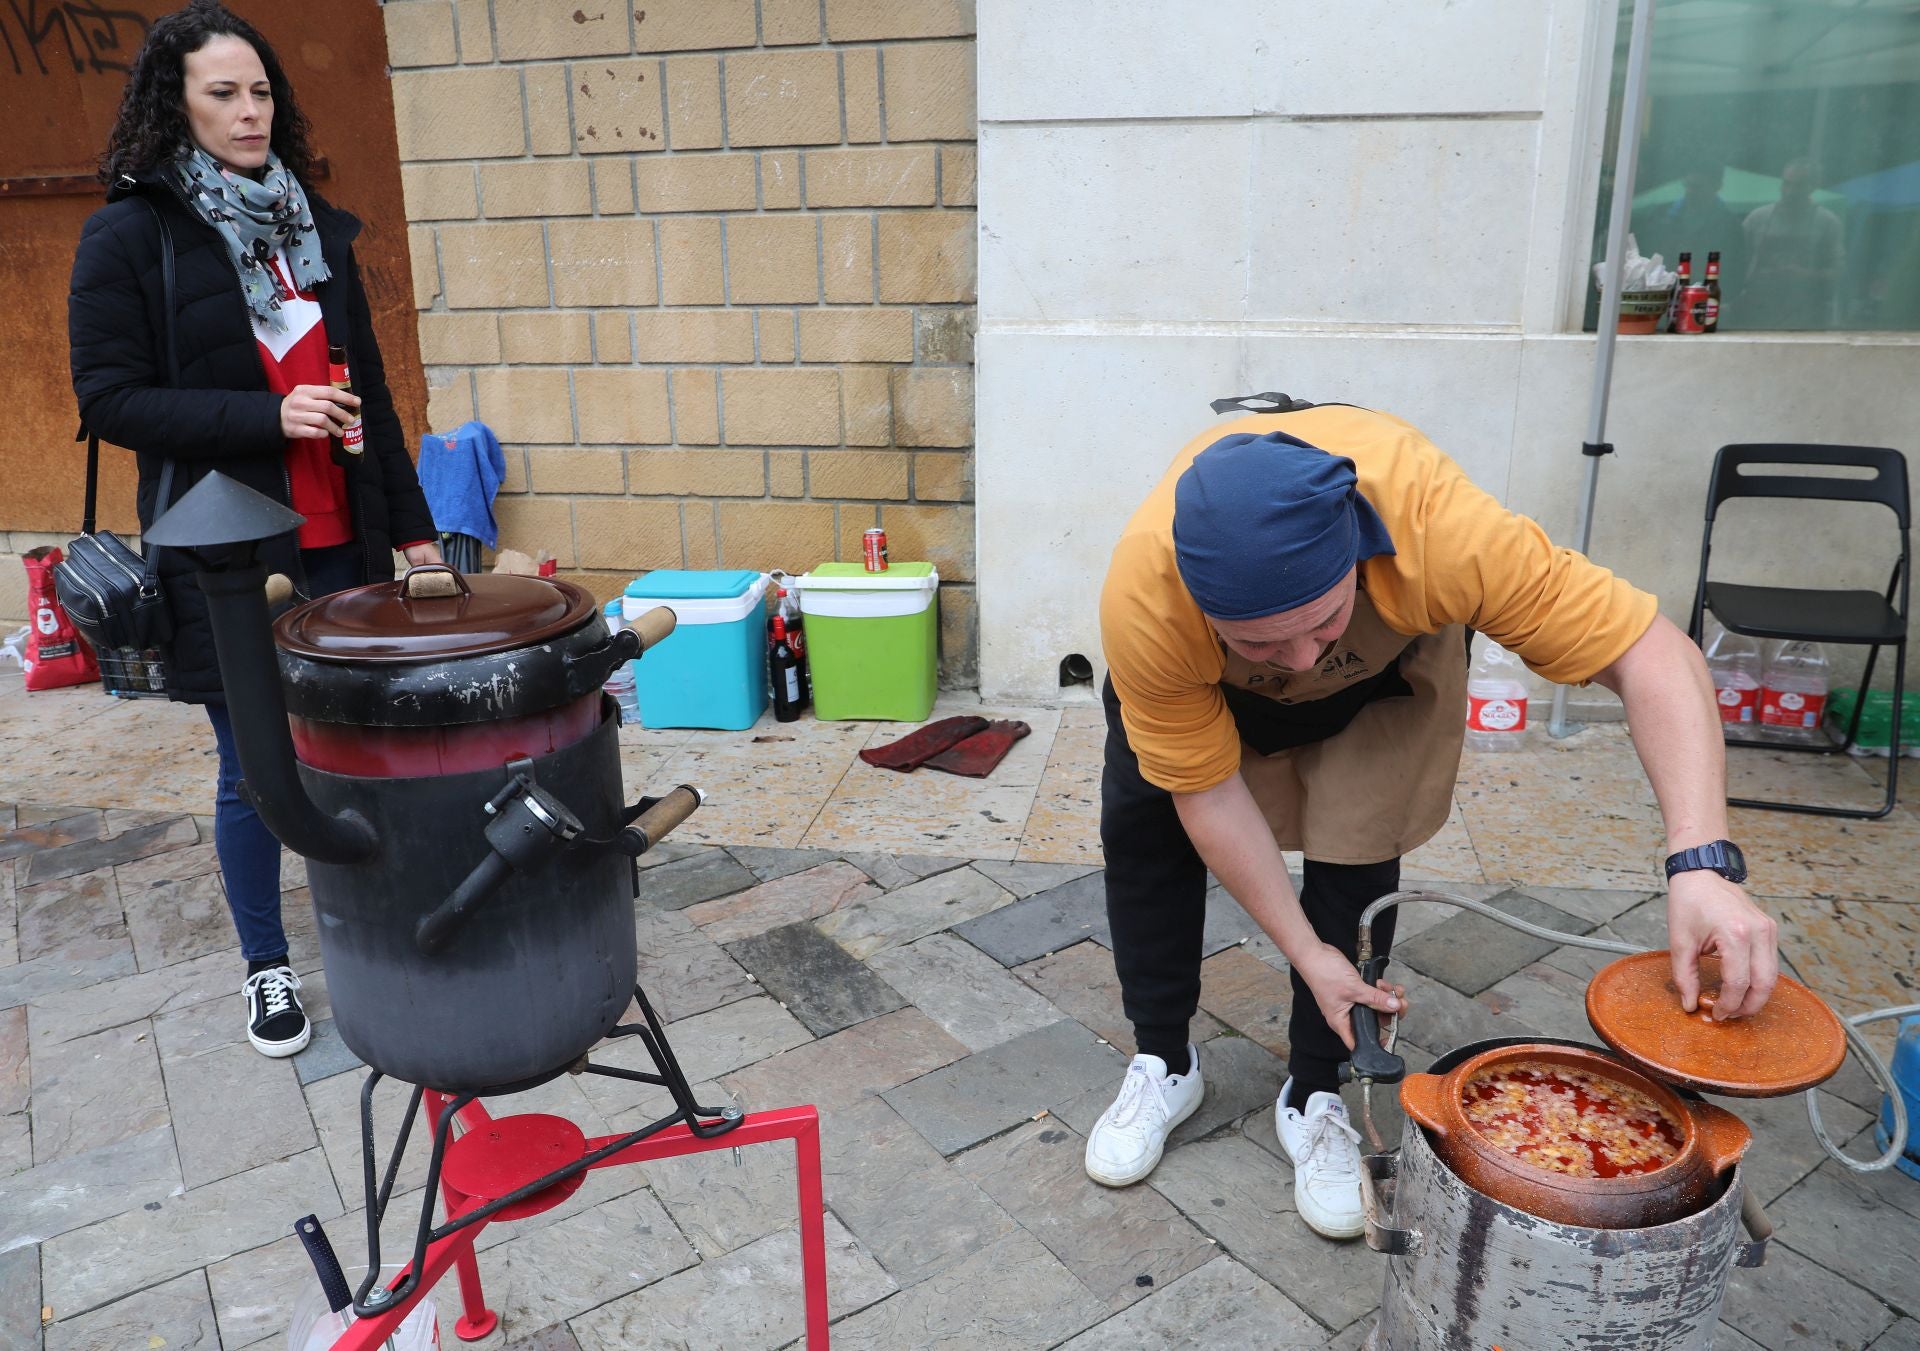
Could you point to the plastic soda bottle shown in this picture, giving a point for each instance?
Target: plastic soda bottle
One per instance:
(1733, 660)
(1496, 699)
(1793, 693)
(787, 607)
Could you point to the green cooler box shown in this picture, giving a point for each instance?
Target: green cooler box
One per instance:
(872, 640)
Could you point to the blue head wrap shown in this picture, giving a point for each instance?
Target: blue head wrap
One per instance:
(1268, 523)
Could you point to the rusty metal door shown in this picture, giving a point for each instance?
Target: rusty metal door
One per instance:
(63, 65)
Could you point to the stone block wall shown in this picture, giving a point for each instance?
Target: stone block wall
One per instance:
(707, 267)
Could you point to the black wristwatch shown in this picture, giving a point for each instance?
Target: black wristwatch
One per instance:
(1722, 856)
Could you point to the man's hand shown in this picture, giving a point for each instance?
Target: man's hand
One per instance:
(1337, 987)
(419, 554)
(1708, 914)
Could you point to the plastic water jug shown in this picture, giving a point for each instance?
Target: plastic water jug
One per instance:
(1496, 699)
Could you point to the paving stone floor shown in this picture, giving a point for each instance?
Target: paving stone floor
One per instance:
(956, 1024)
(953, 1013)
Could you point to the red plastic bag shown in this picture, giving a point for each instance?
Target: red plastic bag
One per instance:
(56, 653)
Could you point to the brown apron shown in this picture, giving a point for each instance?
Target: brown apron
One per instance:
(1382, 786)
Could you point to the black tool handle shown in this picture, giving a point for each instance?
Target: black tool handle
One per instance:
(1371, 1060)
(325, 1265)
(439, 924)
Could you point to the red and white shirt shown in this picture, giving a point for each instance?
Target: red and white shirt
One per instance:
(297, 355)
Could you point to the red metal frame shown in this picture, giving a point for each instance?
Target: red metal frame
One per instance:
(798, 1124)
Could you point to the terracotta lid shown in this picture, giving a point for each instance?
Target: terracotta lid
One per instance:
(1792, 1044)
(399, 622)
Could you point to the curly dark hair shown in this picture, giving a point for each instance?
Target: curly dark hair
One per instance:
(151, 127)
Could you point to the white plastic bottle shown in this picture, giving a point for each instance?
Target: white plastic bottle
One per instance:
(1733, 660)
(1496, 699)
(622, 683)
(1793, 693)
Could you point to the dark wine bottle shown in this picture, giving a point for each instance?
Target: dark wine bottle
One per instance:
(784, 668)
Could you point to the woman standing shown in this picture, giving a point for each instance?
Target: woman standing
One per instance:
(210, 140)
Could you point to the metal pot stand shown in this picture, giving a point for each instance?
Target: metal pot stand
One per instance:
(496, 1161)
(484, 1176)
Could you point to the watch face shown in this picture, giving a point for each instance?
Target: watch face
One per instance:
(1736, 861)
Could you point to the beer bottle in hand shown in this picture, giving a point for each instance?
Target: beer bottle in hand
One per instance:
(352, 438)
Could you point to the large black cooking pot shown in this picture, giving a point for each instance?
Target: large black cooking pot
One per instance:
(451, 772)
(416, 710)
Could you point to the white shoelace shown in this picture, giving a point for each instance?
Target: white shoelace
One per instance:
(276, 986)
(1323, 1147)
(1138, 1089)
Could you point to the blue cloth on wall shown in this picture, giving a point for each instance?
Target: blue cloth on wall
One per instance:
(460, 472)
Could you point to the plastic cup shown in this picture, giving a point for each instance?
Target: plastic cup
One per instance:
(316, 1327)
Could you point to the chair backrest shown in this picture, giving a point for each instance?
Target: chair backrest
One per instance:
(1888, 486)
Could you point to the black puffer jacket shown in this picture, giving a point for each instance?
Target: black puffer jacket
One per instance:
(222, 416)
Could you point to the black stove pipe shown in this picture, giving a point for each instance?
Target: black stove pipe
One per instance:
(250, 671)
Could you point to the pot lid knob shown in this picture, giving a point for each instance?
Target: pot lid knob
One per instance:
(1794, 1043)
(432, 580)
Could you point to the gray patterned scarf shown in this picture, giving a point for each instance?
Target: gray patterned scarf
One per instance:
(257, 219)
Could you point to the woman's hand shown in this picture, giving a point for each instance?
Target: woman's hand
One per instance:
(418, 555)
(313, 412)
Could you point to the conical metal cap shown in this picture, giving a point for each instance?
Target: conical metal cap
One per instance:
(221, 511)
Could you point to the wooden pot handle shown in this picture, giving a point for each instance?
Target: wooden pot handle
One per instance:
(653, 626)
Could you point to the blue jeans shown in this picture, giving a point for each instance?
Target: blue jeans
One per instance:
(249, 855)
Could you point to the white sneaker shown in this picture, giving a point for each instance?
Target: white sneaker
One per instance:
(1130, 1136)
(1325, 1151)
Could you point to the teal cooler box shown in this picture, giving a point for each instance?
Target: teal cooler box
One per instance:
(711, 671)
(872, 640)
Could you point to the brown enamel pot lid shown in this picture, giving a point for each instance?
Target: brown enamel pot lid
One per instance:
(399, 622)
(1794, 1043)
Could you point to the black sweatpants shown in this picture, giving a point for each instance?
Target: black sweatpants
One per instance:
(1157, 884)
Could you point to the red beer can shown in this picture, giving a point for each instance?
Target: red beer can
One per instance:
(874, 549)
(1689, 310)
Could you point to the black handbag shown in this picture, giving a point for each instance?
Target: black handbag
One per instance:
(112, 594)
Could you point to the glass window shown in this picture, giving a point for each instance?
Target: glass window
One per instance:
(1784, 135)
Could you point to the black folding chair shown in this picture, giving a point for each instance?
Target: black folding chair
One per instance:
(1858, 618)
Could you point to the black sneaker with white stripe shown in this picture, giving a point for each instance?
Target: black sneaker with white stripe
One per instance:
(276, 1024)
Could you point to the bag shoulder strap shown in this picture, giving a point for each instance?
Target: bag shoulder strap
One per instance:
(1268, 402)
(164, 500)
(166, 290)
(93, 478)
(150, 578)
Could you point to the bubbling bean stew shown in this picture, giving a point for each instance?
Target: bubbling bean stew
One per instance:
(1570, 1121)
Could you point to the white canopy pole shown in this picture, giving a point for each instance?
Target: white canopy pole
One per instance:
(1626, 162)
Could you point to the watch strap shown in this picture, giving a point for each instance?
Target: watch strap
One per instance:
(1712, 856)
